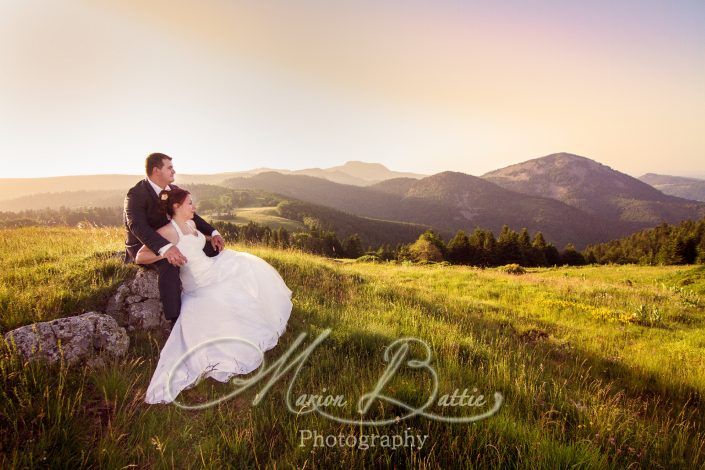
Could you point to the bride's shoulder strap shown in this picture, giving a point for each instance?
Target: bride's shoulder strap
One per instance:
(176, 227)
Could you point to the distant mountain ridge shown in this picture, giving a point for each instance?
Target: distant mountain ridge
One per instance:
(351, 172)
(357, 173)
(447, 201)
(68, 199)
(688, 188)
(568, 197)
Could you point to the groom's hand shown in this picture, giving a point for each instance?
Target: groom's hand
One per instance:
(174, 256)
(218, 243)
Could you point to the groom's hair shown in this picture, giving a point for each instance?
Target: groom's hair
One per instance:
(155, 160)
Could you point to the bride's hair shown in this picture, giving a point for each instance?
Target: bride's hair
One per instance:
(167, 199)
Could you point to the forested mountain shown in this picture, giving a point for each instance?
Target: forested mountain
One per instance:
(447, 201)
(373, 232)
(597, 189)
(396, 186)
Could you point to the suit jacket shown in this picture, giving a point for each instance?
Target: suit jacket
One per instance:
(142, 217)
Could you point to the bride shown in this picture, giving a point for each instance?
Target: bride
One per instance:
(232, 295)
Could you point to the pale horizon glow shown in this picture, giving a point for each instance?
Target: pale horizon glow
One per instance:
(419, 86)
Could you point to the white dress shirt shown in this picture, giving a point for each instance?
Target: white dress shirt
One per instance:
(158, 190)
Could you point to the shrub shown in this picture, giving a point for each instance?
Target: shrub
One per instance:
(425, 250)
(512, 268)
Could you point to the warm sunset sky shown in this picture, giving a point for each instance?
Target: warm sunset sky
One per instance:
(92, 87)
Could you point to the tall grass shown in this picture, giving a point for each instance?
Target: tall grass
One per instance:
(47, 273)
(585, 383)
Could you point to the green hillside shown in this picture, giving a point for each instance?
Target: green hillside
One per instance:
(599, 366)
(268, 216)
(373, 232)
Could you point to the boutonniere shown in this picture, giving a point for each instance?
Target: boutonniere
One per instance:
(164, 196)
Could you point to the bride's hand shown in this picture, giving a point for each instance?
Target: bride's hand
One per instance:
(218, 243)
(175, 257)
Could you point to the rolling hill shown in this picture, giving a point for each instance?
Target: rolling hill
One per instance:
(687, 188)
(373, 232)
(68, 199)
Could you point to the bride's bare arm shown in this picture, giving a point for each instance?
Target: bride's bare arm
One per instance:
(147, 256)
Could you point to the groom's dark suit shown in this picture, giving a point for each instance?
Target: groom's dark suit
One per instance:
(142, 217)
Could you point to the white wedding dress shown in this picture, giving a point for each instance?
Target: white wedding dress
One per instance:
(228, 296)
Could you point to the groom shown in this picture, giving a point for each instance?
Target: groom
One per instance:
(142, 216)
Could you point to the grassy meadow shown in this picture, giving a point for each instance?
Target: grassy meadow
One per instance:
(268, 216)
(599, 366)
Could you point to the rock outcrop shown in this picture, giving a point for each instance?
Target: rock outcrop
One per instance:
(90, 338)
(93, 337)
(136, 305)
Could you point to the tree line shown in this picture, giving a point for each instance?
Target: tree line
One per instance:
(93, 216)
(479, 248)
(665, 244)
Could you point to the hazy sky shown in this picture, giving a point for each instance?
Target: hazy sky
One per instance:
(93, 87)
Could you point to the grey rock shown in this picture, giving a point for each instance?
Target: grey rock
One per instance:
(115, 303)
(145, 315)
(90, 338)
(136, 305)
(145, 284)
